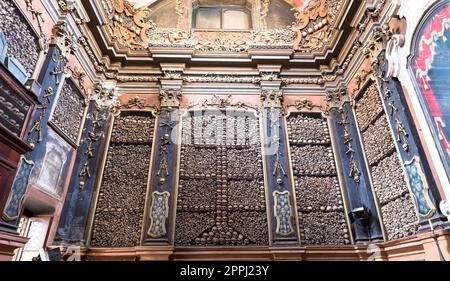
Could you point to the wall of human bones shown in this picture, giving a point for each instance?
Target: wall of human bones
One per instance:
(221, 192)
(221, 196)
(389, 181)
(320, 204)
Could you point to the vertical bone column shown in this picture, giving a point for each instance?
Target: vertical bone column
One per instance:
(78, 202)
(363, 209)
(160, 212)
(280, 195)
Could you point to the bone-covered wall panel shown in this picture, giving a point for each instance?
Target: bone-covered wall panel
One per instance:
(221, 196)
(69, 111)
(378, 141)
(403, 222)
(23, 42)
(389, 181)
(120, 205)
(369, 107)
(320, 203)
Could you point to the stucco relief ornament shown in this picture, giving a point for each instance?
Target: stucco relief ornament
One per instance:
(221, 41)
(128, 25)
(309, 12)
(103, 96)
(66, 6)
(273, 38)
(62, 37)
(272, 98)
(170, 97)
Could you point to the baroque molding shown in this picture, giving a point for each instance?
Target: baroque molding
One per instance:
(170, 97)
(305, 104)
(63, 38)
(272, 98)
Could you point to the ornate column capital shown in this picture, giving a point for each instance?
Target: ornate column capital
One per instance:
(270, 76)
(170, 97)
(337, 97)
(272, 98)
(104, 96)
(383, 49)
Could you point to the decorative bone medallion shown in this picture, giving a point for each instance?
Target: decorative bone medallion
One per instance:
(283, 213)
(159, 214)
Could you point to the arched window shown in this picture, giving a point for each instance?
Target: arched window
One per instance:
(430, 67)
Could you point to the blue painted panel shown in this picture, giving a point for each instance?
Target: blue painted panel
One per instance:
(13, 205)
(358, 188)
(78, 200)
(163, 181)
(39, 133)
(17, 69)
(3, 47)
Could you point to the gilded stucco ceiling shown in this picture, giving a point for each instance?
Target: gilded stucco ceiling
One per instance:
(304, 26)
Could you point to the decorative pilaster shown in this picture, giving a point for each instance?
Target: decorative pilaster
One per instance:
(52, 71)
(423, 188)
(281, 207)
(74, 218)
(363, 209)
(159, 224)
(381, 50)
